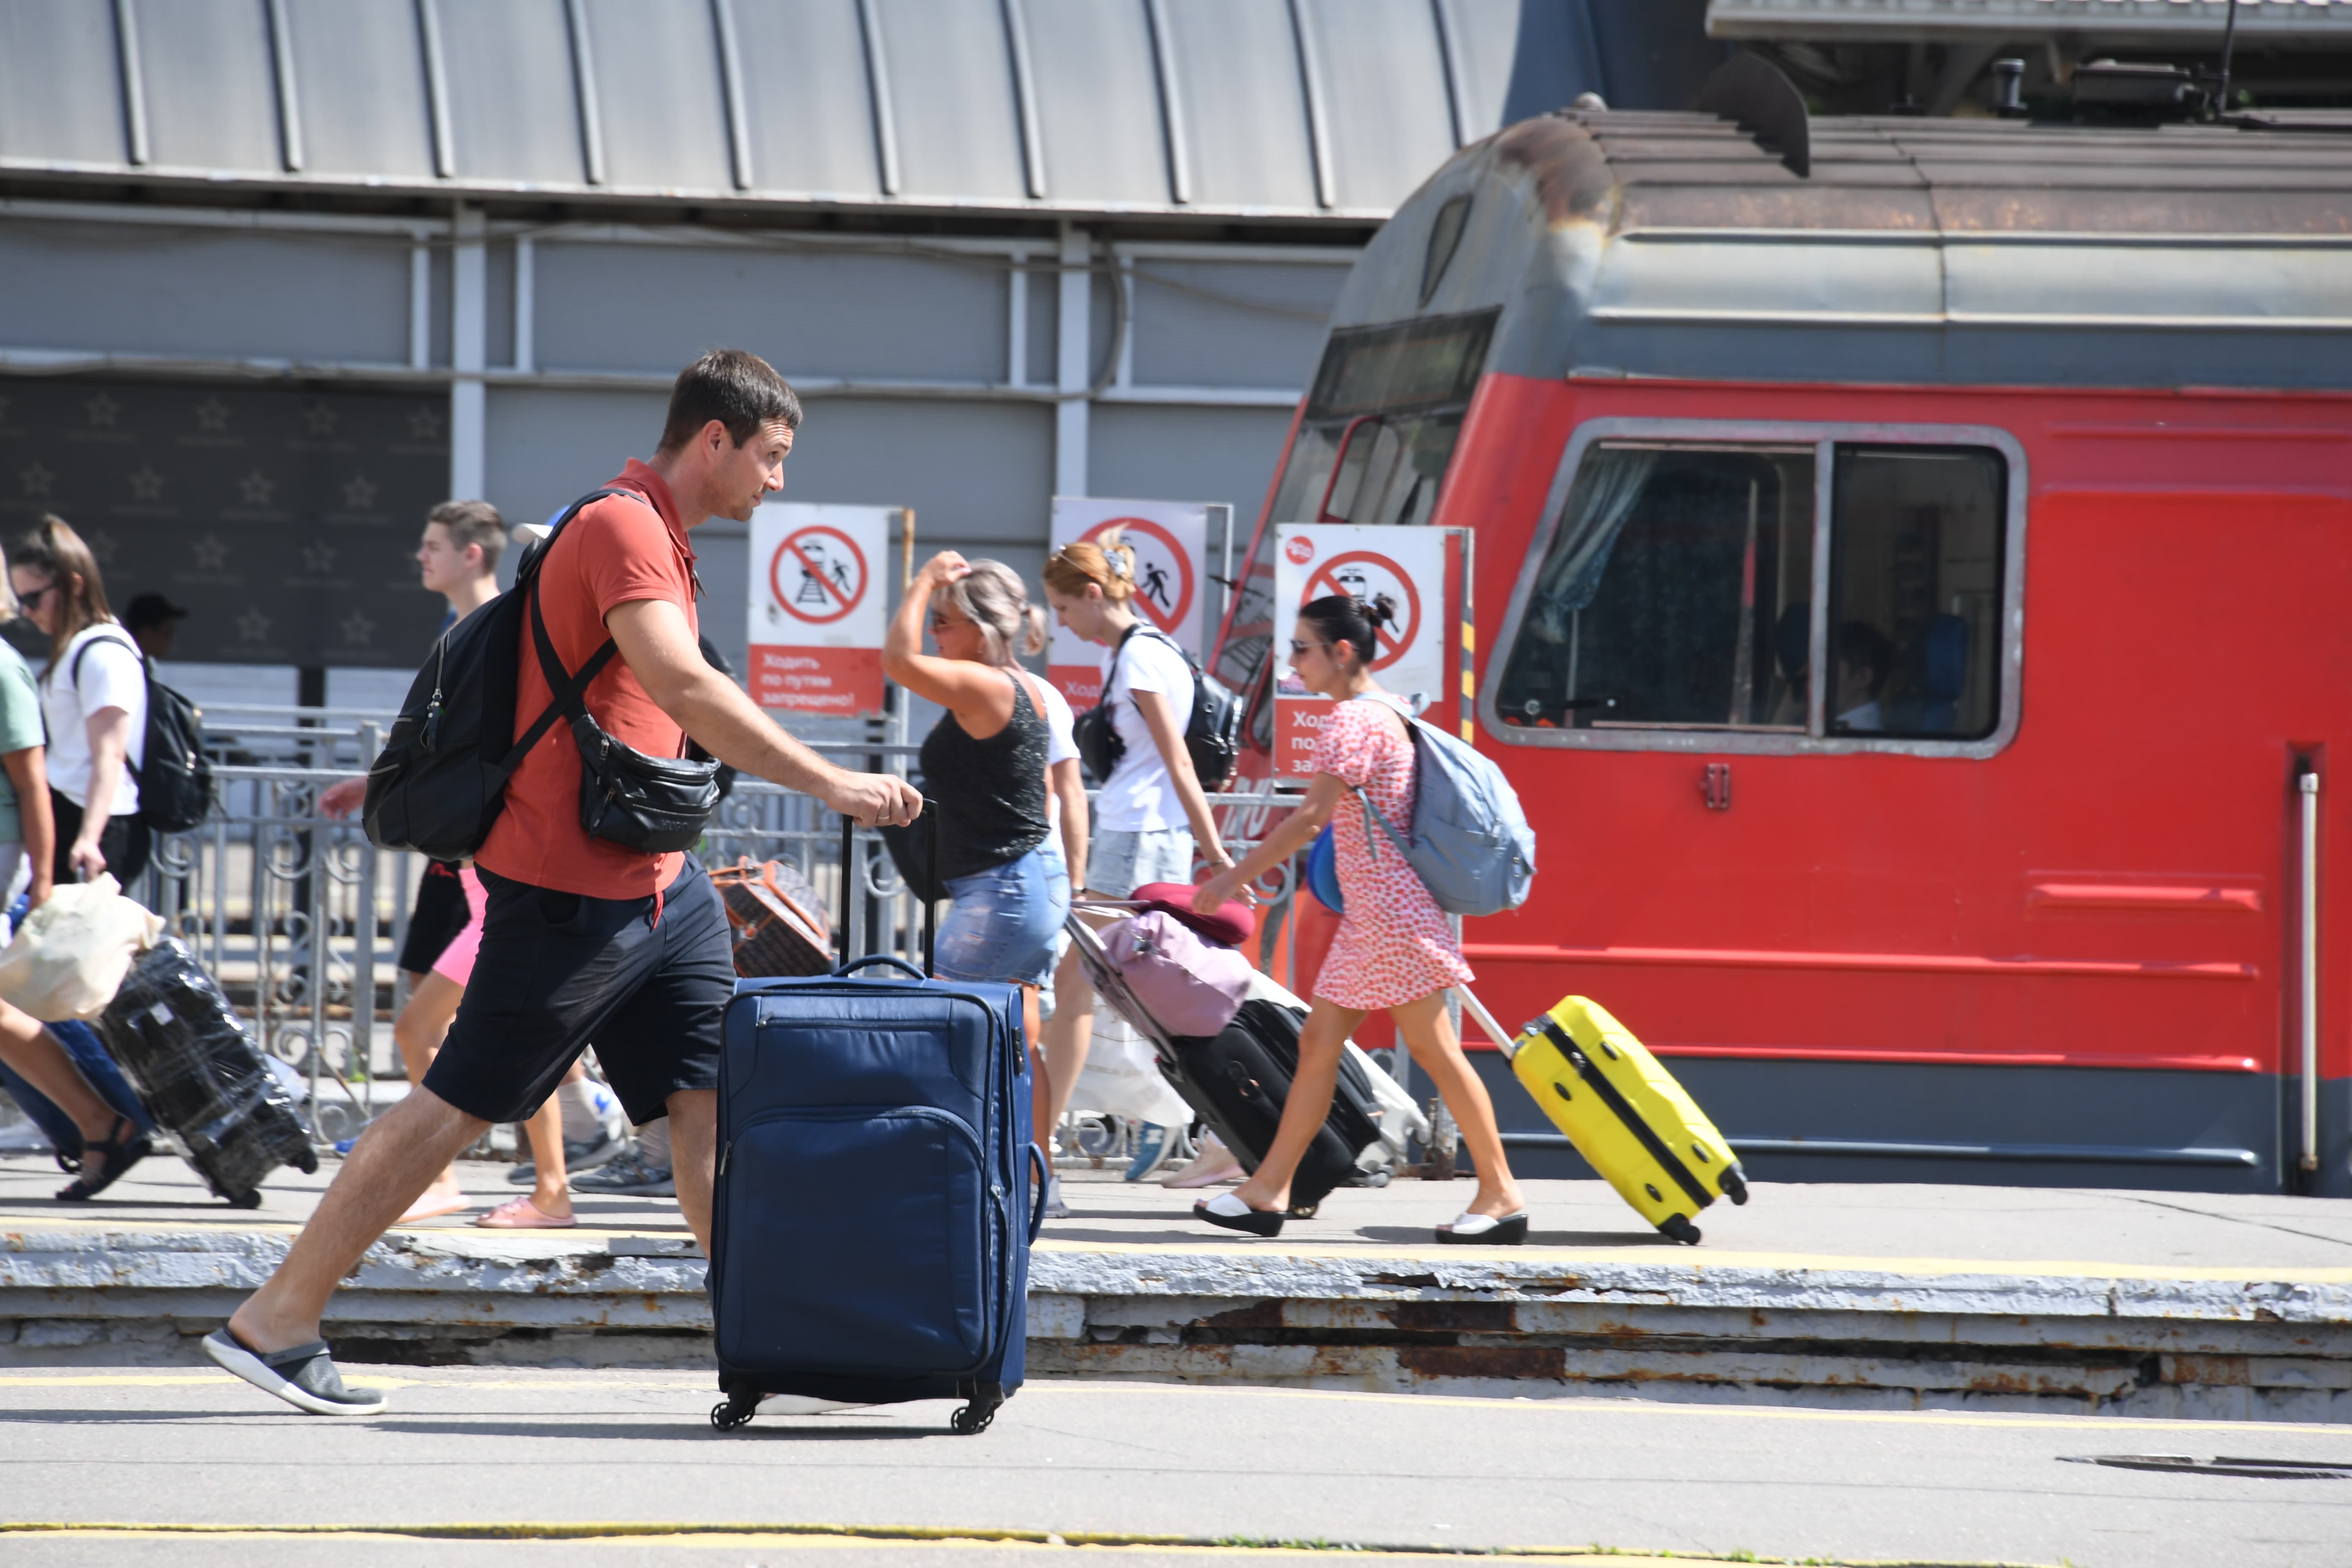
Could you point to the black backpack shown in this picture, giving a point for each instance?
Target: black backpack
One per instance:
(439, 784)
(175, 781)
(1212, 731)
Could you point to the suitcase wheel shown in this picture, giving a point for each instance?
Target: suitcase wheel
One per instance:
(248, 1199)
(1735, 1185)
(735, 1410)
(971, 1421)
(306, 1161)
(1679, 1229)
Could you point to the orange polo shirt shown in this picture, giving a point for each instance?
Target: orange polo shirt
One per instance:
(618, 550)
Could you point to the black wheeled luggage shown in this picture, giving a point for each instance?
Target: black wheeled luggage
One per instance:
(180, 1045)
(1237, 1079)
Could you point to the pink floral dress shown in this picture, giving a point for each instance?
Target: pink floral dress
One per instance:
(1394, 945)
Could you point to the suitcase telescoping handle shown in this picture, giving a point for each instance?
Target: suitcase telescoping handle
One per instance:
(1507, 1042)
(871, 959)
(849, 891)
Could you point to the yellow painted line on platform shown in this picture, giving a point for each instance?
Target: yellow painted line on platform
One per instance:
(1701, 1261)
(873, 1537)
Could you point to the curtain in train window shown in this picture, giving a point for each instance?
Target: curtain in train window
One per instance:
(1915, 590)
(1675, 592)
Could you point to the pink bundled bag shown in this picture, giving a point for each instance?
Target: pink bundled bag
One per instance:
(1187, 986)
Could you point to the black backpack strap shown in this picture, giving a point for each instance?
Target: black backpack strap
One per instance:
(570, 691)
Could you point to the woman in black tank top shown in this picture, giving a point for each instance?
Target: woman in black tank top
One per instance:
(984, 771)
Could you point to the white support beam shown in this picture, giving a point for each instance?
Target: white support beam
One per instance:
(469, 345)
(1074, 363)
(1016, 321)
(526, 304)
(420, 300)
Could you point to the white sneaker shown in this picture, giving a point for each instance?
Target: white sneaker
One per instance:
(1054, 1208)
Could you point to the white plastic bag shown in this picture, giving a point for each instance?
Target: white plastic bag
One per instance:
(1121, 1076)
(70, 955)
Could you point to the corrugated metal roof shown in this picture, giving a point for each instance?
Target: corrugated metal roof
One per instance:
(1289, 108)
(1917, 252)
(2259, 21)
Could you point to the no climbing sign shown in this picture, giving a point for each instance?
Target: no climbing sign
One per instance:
(817, 610)
(1409, 574)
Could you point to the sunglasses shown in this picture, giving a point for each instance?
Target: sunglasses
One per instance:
(941, 623)
(27, 601)
(1297, 647)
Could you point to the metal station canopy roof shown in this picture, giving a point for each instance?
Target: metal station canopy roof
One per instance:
(1230, 109)
(2298, 22)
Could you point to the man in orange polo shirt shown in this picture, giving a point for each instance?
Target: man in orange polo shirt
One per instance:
(582, 938)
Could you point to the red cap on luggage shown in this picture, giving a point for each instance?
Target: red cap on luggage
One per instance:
(1233, 924)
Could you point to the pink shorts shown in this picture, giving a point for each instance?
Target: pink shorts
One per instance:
(457, 959)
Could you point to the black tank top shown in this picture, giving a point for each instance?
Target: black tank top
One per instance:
(991, 793)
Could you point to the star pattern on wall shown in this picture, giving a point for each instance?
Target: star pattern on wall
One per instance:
(318, 419)
(255, 487)
(358, 493)
(101, 410)
(253, 627)
(212, 414)
(210, 553)
(425, 424)
(357, 629)
(38, 480)
(318, 558)
(146, 484)
(102, 545)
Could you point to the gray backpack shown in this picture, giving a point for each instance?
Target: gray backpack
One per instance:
(1471, 845)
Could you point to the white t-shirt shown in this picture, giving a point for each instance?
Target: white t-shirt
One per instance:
(1140, 794)
(1061, 746)
(110, 674)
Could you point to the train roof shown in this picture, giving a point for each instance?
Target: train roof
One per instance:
(1888, 250)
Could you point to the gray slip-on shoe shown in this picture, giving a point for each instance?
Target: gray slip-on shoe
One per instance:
(304, 1376)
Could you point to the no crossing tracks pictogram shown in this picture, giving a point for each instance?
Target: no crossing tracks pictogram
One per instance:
(818, 574)
(1368, 576)
(1163, 570)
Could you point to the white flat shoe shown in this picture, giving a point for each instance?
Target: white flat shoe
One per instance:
(1485, 1230)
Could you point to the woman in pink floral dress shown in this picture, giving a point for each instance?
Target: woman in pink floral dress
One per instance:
(1395, 949)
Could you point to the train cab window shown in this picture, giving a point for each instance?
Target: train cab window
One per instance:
(1679, 589)
(1915, 586)
(1373, 445)
(1675, 594)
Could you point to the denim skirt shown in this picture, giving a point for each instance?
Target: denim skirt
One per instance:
(1002, 922)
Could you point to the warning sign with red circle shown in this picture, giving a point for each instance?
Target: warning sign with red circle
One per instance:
(1400, 575)
(1167, 578)
(817, 611)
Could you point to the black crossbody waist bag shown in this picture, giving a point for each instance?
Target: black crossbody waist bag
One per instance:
(627, 797)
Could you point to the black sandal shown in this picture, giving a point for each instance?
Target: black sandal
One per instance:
(105, 1161)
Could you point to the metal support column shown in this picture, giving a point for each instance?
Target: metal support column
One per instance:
(468, 354)
(1073, 361)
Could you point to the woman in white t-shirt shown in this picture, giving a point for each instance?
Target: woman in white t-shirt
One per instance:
(94, 695)
(1150, 815)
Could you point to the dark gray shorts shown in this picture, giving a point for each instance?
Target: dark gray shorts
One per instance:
(558, 972)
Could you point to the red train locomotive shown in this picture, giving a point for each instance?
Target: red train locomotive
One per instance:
(1913, 597)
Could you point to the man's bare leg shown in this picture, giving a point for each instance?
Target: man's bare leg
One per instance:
(394, 1161)
(694, 1156)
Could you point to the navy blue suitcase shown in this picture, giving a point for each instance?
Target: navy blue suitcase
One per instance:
(876, 1203)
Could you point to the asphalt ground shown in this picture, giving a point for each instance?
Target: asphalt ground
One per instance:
(1129, 1473)
(2065, 1228)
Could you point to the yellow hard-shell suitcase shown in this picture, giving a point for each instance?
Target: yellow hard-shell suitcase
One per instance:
(1625, 1113)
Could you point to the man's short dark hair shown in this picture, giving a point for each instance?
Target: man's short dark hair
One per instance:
(734, 386)
(1859, 642)
(473, 523)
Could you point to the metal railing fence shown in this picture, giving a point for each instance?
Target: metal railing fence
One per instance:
(302, 920)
